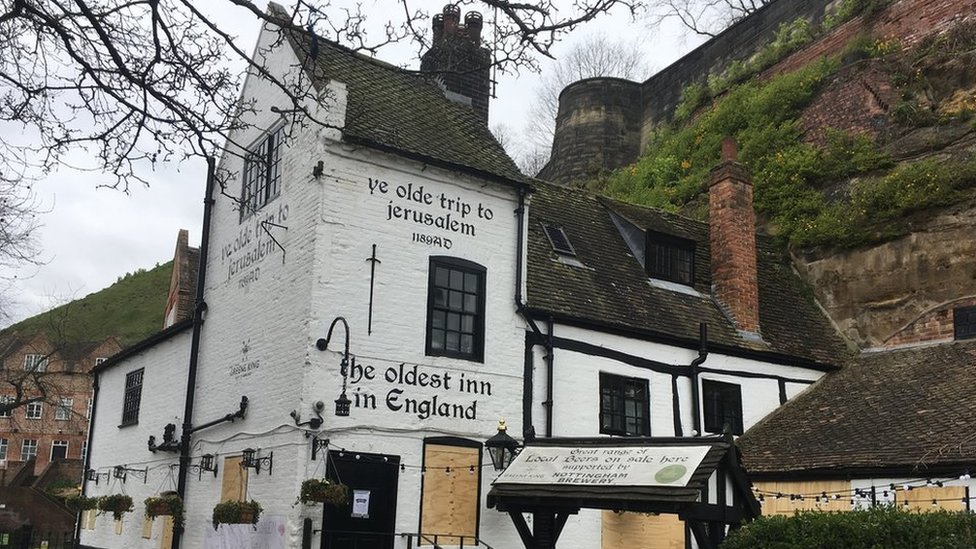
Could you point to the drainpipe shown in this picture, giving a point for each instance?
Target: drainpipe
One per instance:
(199, 309)
(695, 397)
(539, 338)
(91, 432)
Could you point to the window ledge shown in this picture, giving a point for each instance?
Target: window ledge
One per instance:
(674, 287)
(129, 424)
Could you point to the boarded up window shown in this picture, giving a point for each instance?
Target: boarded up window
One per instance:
(89, 519)
(641, 531)
(147, 527)
(949, 498)
(118, 528)
(783, 505)
(166, 539)
(234, 485)
(450, 497)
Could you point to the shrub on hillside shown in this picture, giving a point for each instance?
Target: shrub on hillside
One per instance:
(881, 527)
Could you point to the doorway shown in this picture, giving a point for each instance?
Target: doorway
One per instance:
(368, 519)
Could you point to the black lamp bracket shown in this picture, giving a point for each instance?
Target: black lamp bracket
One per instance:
(318, 444)
(122, 472)
(94, 475)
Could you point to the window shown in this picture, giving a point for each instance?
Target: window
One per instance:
(559, 241)
(59, 449)
(723, 405)
(35, 363)
(133, 394)
(3, 449)
(63, 411)
(5, 400)
(88, 409)
(455, 309)
(624, 406)
(84, 449)
(28, 449)
(34, 410)
(262, 174)
(99, 360)
(964, 322)
(670, 258)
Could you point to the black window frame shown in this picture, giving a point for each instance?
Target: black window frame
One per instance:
(721, 401)
(662, 248)
(132, 397)
(964, 322)
(455, 264)
(262, 174)
(615, 386)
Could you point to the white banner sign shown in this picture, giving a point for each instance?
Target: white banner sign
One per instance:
(605, 466)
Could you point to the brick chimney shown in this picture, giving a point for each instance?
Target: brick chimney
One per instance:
(732, 235)
(457, 59)
(182, 281)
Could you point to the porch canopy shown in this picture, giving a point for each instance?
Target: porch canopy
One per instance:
(700, 479)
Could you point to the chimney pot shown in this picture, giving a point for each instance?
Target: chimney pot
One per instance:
(473, 23)
(452, 16)
(437, 25)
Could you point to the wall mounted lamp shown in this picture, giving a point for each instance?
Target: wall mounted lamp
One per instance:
(122, 472)
(342, 404)
(208, 464)
(250, 460)
(502, 448)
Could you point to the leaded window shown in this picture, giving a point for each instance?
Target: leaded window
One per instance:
(670, 258)
(624, 406)
(455, 309)
(723, 406)
(262, 174)
(133, 395)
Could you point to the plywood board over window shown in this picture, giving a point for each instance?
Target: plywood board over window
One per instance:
(166, 540)
(641, 531)
(233, 487)
(783, 505)
(949, 498)
(450, 498)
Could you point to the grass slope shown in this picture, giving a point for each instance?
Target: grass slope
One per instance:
(131, 309)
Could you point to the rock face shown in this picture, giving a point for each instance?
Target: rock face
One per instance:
(874, 292)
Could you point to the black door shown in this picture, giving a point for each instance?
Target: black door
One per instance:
(368, 520)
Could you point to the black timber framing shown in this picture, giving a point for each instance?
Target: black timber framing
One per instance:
(707, 520)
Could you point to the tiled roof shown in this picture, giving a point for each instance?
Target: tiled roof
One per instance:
(612, 289)
(396, 109)
(907, 409)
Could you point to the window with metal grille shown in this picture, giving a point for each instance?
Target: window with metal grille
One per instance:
(63, 411)
(964, 322)
(455, 309)
(723, 406)
(133, 394)
(670, 258)
(559, 241)
(624, 406)
(35, 363)
(5, 400)
(262, 174)
(28, 449)
(34, 410)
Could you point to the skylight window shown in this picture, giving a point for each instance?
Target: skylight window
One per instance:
(964, 322)
(559, 241)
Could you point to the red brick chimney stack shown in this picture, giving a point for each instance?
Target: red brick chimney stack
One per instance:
(732, 235)
(458, 60)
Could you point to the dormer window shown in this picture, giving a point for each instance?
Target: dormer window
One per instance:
(559, 241)
(670, 258)
(964, 322)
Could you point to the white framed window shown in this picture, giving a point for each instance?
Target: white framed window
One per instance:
(34, 410)
(63, 411)
(88, 409)
(84, 449)
(3, 449)
(99, 360)
(59, 449)
(28, 449)
(35, 363)
(5, 399)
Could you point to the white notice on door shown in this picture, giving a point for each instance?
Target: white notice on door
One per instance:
(360, 503)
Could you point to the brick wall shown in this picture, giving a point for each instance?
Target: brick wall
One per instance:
(934, 325)
(858, 101)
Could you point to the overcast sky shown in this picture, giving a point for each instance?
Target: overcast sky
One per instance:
(91, 236)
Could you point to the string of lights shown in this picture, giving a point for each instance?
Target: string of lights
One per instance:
(880, 493)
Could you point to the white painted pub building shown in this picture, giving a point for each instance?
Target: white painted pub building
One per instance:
(457, 293)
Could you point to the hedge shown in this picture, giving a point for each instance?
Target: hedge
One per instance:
(878, 528)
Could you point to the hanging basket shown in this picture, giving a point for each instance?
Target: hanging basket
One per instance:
(236, 512)
(78, 502)
(320, 490)
(117, 504)
(166, 505)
